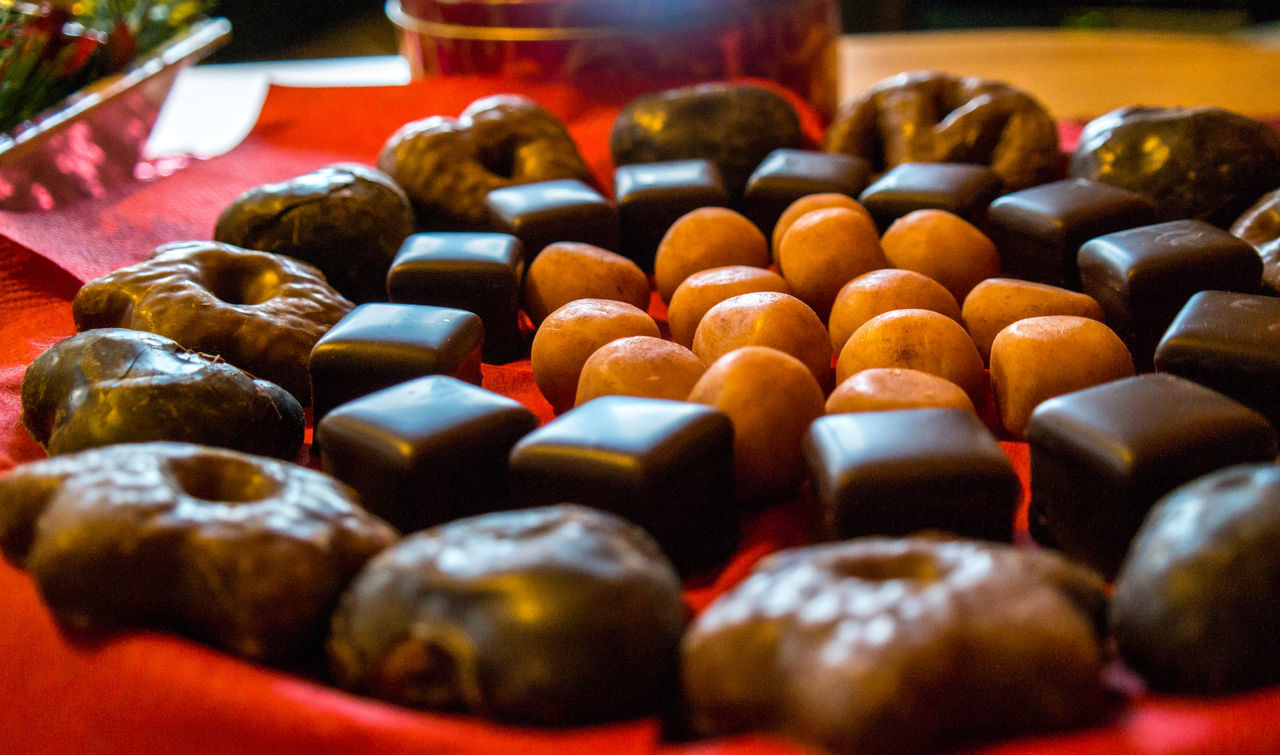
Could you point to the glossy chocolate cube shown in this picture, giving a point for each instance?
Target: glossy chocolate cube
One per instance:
(959, 188)
(1229, 342)
(652, 196)
(1101, 457)
(1142, 277)
(786, 175)
(1039, 230)
(664, 465)
(379, 345)
(898, 472)
(549, 211)
(427, 451)
(478, 272)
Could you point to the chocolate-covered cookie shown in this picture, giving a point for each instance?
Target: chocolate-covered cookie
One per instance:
(884, 645)
(550, 616)
(1260, 226)
(113, 385)
(346, 219)
(243, 552)
(261, 312)
(448, 166)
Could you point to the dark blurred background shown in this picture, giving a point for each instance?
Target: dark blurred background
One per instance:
(288, 29)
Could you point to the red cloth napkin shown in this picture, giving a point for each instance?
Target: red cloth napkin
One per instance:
(146, 692)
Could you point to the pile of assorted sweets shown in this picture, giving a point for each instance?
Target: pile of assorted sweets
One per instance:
(854, 330)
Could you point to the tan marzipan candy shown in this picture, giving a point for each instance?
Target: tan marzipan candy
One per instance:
(766, 318)
(771, 398)
(806, 204)
(881, 291)
(568, 270)
(943, 246)
(707, 288)
(998, 302)
(702, 239)
(825, 249)
(571, 334)
(639, 366)
(890, 388)
(918, 339)
(1038, 358)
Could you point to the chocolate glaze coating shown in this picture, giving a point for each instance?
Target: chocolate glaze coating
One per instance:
(652, 196)
(346, 219)
(927, 116)
(448, 166)
(785, 175)
(550, 616)
(734, 126)
(243, 552)
(261, 312)
(959, 188)
(113, 385)
(544, 212)
(1204, 163)
(884, 645)
(1196, 603)
(1260, 226)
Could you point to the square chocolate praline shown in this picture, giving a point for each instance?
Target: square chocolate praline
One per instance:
(1039, 230)
(898, 472)
(665, 465)
(478, 272)
(786, 175)
(427, 451)
(1229, 342)
(959, 188)
(1143, 276)
(1101, 457)
(545, 212)
(652, 196)
(379, 345)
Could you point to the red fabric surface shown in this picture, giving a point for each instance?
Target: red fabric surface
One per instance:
(145, 692)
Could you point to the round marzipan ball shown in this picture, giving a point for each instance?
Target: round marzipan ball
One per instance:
(1038, 358)
(766, 318)
(705, 238)
(571, 334)
(826, 249)
(943, 246)
(707, 288)
(771, 398)
(997, 303)
(639, 366)
(918, 339)
(568, 270)
(881, 291)
(883, 389)
(807, 204)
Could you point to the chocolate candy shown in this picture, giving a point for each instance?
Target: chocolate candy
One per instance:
(652, 196)
(548, 617)
(896, 472)
(785, 175)
(1231, 343)
(1102, 456)
(1143, 276)
(549, 211)
(665, 465)
(959, 188)
(113, 385)
(380, 345)
(1039, 230)
(478, 272)
(1194, 608)
(427, 451)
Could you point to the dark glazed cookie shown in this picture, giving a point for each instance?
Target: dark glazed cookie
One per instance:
(113, 385)
(346, 219)
(1260, 226)
(1197, 602)
(243, 552)
(1203, 163)
(733, 126)
(550, 616)
(927, 116)
(448, 166)
(261, 312)
(883, 645)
